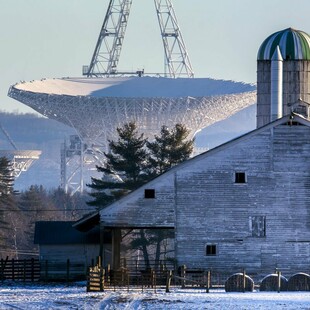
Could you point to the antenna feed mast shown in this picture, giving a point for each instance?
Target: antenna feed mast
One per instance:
(107, 52)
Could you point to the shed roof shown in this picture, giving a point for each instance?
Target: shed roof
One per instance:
(62, 232)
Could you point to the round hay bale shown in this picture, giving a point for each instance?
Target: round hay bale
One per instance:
(235, 283)
(299, 282)
(270, 283)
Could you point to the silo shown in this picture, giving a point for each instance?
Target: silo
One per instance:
(283, 65)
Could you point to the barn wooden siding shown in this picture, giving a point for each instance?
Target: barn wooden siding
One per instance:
(212, 209)
(139, 211)
(260, 225)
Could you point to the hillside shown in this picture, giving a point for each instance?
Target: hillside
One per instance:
(29, 131)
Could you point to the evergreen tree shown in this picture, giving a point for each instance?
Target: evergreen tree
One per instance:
(169, 149)
(125, 168)
(6, 179)
(6, 198)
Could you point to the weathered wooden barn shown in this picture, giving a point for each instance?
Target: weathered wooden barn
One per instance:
(244, 204)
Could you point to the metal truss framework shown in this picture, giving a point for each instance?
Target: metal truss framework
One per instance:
(105, 114)
(177, 60)
(109, 45)
(21, 160)
(107, 52)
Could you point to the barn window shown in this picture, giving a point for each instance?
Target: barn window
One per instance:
(149, 193)
(257, 226)
(211, 249)
(240, 177)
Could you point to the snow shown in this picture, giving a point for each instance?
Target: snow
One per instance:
(136, 87)
(74, 296)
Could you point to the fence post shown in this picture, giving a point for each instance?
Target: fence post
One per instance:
(153, 280)
(101, 277)
(68, 269)
(24, 270)
(88, 279)
(244, 283)
(168, 281)
(183, 275)
(2, 270)
(32, 269)
(279, 281)
(46, 270)
(13, 270)
(208, 280)
(108, 276)
(99, 261)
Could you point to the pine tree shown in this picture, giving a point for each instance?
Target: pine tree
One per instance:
(6, 197)
(169, 149)
(125, 167)
(6, 179)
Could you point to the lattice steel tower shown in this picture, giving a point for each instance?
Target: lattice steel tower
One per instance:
(107, 52)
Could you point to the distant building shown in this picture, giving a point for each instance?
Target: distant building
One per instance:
(59, 244)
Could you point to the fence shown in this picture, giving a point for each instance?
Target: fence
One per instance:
(20, 270)
(30, 270)
(62, 271)
(100, 278)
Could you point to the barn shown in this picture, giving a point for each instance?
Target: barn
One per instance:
(244, 204)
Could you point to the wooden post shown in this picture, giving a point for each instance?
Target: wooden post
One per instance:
(168, 281)
(154, 280)
(116, 248)
(128, 282)
(2, 270)
(101, 248)
(101, 279)
(13, 269)
(109, 274)
(46, 270)
(183, 275)
(32, 270)
(24, 270)
(279, 281)
(68, 269)
(99, 261)
(88, 279)
(244, 281)
(208, 281)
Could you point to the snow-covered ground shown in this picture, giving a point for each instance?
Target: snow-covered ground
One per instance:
(74, 296)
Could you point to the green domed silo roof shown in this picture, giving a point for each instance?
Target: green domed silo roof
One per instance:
(294, 45)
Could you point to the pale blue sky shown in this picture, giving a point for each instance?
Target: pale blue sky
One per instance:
(54, 38)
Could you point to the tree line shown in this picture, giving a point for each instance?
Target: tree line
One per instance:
(20, 210)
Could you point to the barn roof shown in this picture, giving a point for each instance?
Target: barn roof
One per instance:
(109, 215)
(60, 232)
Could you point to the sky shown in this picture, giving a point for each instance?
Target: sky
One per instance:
(55, 38)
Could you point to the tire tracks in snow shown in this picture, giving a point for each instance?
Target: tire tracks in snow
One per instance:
(117, 301)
